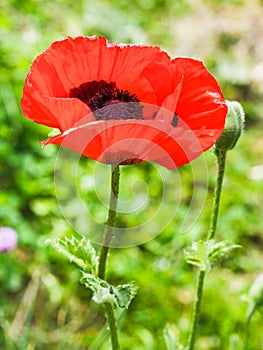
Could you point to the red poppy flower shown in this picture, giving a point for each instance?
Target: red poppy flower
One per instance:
(123, 104)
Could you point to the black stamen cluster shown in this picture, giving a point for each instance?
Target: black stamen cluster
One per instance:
(108, 102)
(87, 90)
(118, 111)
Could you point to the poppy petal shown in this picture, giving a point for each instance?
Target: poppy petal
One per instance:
(166, 81)
(201, 102)
(35, 108)
(69, 112)
(116, 140)
(69, 62)
(58, 113)
(134, 67)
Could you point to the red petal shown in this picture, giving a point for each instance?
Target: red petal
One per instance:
(71, 112)
(35, 108)
(114, 141)
(136, 70)
(166, 81)
(201, 102)
(59, 113)
(72, 61)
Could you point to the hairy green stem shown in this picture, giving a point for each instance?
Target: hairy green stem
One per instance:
(197, 309)
(104, 250)
(107, 237)
(113, 326)
(221, 159)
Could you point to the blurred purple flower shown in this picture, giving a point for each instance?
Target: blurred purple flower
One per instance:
(8, 239)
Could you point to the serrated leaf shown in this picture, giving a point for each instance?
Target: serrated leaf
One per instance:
(201, 254)
(80, 252)
(124, 293)
(221, 249)
(198, 255)
(103, 292)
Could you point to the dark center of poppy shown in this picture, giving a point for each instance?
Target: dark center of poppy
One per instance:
(108, 102)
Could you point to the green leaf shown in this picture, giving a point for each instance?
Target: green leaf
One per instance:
(201, 254)
(124, 293)
(103, 292)
(197, 255)
(222, 249)
(80, 252)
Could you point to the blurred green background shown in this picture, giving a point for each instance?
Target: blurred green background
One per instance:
(43, 306)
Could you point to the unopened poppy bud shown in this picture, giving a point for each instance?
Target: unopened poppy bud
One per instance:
(234, 126)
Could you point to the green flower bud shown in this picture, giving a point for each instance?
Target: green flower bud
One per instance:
(234, 127)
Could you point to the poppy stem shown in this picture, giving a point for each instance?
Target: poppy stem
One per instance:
(107, 237)
(197, 309)
(113, 326)
(221, 159)
(104, 250)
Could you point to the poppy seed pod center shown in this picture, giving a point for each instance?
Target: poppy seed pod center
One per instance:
(107, 101)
